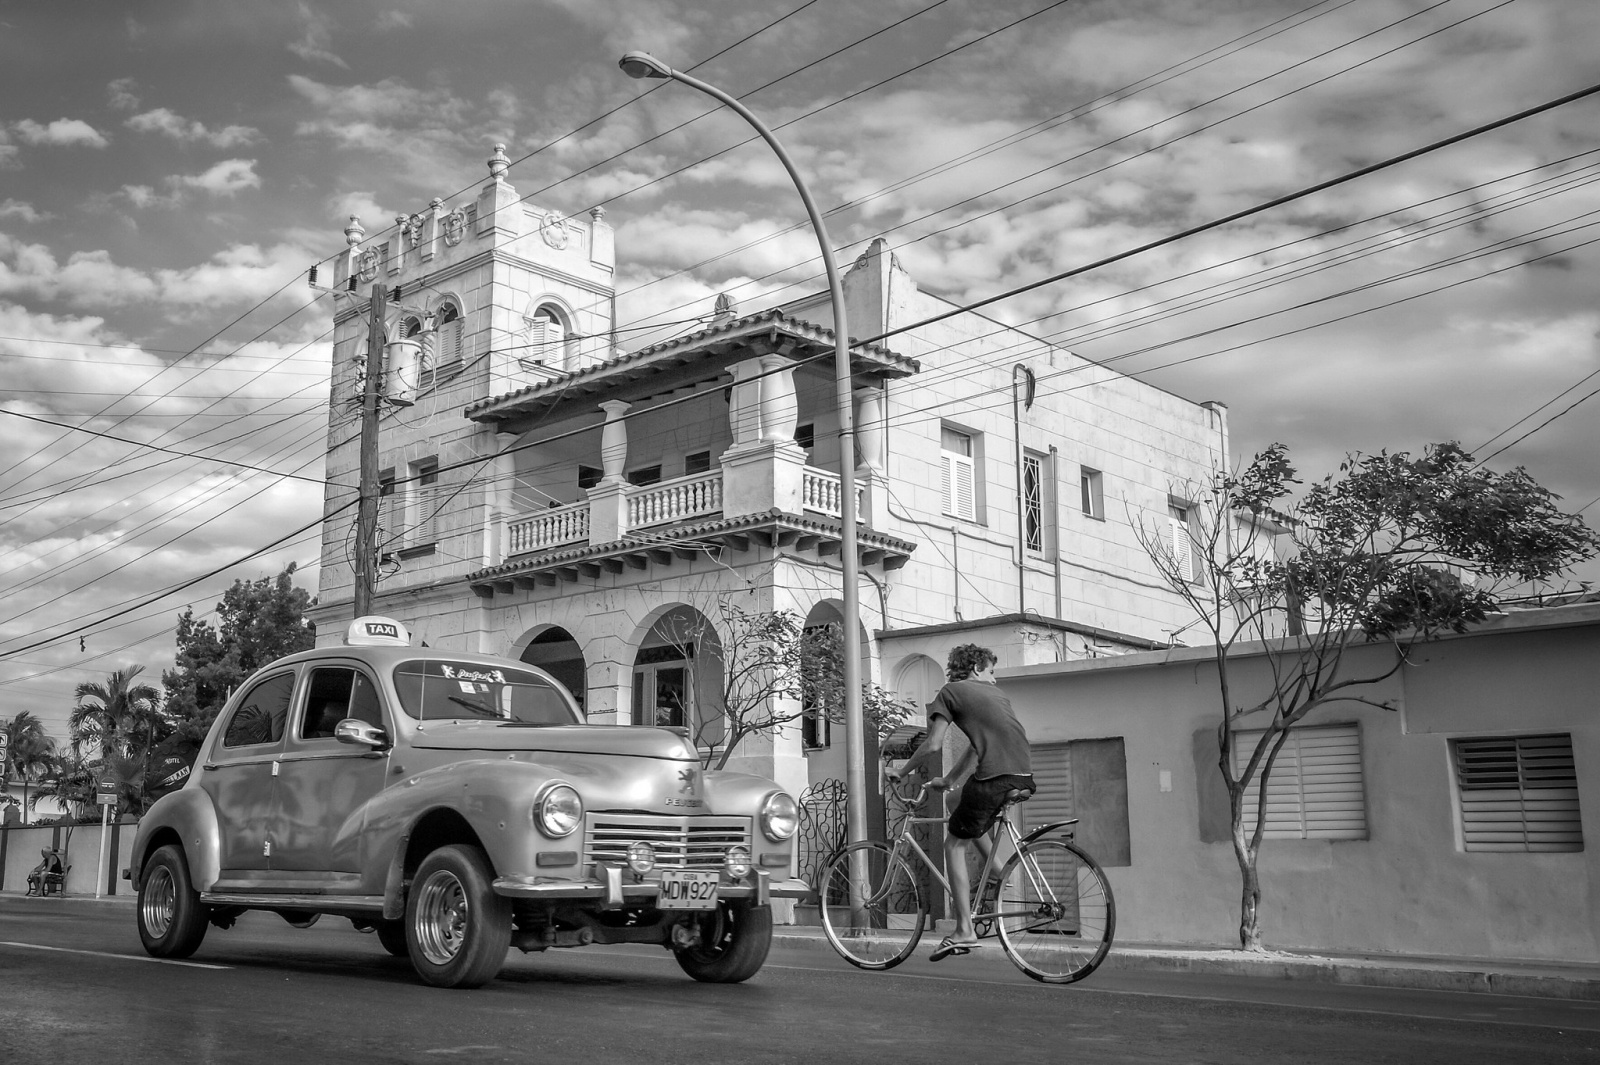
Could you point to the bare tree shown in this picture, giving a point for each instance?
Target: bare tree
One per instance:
(1390, 549)
(775, 670)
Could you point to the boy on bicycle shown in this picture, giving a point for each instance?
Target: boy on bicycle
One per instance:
(974, 704)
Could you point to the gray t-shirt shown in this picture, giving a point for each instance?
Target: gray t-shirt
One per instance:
(984, 716)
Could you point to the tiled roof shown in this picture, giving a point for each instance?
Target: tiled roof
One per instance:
(772, 322)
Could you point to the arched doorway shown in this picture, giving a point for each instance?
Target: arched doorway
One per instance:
(558, 654)
(677, 677)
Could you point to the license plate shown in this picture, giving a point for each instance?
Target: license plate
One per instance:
(681, 890)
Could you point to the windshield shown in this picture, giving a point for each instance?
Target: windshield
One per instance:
(437, 690)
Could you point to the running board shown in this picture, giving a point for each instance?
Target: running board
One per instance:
(313, 903)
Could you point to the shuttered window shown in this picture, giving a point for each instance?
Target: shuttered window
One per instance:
(956, 483)
(447, 359)
(1086, 779)
(1518, 793)
(1180, 544)
(1315, 790)
(423, 503)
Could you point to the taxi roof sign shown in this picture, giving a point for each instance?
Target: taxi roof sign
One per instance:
(375, 631)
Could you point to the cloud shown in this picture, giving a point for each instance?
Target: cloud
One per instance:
(86, 278)
(121, 94)
(314, 46)
(395, 20)
(418, 135)
(10, 208)
(163, 121)
(237, 273)
(223, 179)
(63, 132)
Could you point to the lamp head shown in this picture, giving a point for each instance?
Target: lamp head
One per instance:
(643, 65)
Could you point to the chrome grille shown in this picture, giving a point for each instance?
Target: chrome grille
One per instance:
(679, 842)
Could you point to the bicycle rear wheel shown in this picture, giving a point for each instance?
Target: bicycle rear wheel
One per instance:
(1056, 913)
(884, 932)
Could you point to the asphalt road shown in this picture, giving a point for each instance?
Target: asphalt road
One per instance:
(75, 987)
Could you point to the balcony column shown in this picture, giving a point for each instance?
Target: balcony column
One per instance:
(608, 500)
(764, 470)
(499, 501)
(869, 450)
(779, 411)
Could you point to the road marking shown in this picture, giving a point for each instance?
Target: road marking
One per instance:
(105, 954)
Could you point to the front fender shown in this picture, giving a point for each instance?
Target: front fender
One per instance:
(493, 796)
(187, 815)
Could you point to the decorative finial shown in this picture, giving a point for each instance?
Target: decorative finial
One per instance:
(353, 233)
(597, 212)
(499, 163)
(437, 204)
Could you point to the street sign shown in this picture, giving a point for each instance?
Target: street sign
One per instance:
(105, 792)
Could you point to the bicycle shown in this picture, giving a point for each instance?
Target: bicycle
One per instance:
(1050, 904)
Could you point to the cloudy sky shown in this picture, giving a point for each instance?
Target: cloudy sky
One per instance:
(169, 170)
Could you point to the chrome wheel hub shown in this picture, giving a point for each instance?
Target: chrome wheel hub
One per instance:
(441, 917)
(157, 901)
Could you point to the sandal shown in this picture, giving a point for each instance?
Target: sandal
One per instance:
(949, 948)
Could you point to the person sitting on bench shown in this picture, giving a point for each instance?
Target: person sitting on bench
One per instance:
(45, 873)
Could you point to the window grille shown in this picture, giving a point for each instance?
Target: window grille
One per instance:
(1033, 502)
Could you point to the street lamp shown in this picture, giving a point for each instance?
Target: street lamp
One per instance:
(644, 65)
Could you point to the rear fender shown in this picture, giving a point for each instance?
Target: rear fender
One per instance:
(187, 818)
(1045, 830)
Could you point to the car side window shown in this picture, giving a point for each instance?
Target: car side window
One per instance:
(261, 713)
(335, 693)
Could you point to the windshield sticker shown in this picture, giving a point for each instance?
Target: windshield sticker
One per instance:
(494, 676)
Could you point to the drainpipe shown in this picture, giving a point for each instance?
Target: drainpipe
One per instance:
(1022, 533)
(1055, 524)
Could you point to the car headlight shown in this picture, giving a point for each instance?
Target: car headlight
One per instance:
(558, 810)
(780, 817)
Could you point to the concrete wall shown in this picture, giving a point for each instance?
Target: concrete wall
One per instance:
(1409, 887)
(81, 850)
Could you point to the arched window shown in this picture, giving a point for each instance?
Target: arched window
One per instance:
(447, 339)
(547, 338)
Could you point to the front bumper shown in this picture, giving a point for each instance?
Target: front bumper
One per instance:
(614, 887)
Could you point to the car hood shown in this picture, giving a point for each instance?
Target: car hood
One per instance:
(625, 740)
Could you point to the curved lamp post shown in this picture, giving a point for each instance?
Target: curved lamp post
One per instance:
(644, 65)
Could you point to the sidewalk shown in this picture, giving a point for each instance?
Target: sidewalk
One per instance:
(1538, 979)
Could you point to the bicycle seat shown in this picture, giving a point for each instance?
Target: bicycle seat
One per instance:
(1016, 795)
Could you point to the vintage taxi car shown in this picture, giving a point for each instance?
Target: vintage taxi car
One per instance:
(456, 805)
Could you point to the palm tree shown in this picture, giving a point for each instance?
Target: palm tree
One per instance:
(28, 752)
(119, 717)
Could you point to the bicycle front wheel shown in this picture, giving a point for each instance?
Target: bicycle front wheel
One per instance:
(884, 930)
(1056, 916)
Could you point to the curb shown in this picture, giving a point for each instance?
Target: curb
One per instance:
(1532, 981)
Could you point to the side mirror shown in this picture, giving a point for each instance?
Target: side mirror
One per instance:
(356, 731)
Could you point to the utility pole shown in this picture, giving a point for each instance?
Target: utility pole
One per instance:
(367, 511)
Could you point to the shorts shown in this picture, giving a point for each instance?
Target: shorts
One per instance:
(982, 801)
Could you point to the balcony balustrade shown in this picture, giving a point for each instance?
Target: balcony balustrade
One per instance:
(820, 492)
(681, 499)
(547, 529)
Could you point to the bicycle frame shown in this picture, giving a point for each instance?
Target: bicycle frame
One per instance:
(904, 842)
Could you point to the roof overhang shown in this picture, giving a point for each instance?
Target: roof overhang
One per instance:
(771, 529)
(700, 358)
